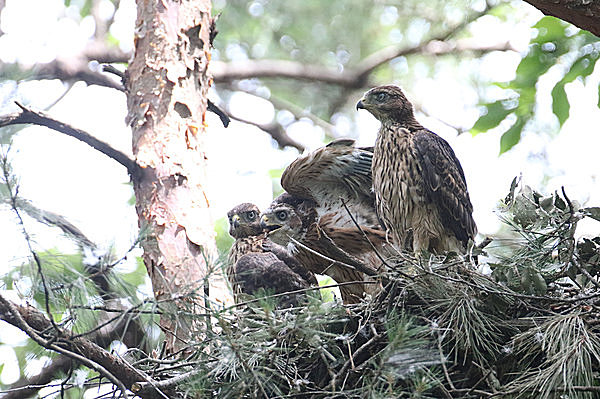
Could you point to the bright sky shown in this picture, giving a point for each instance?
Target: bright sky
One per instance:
(62, 175)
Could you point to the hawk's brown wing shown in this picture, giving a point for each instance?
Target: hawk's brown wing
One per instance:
(445, 184)
(256, 271)
(332, 173)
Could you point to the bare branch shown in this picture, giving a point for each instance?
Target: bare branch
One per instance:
(98, 51)
(357, 77)
(351, 78)
(27, 115)
(227, 72)
(73, 70)
(296, 110)
(54, 220)
(28, 386)
(275, 130)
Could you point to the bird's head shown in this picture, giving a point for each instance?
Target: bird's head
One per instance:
(286, 217)
(388, 104)
(244, 221)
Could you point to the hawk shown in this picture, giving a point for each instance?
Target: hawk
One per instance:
(256, 263)
(311, 219)
(420, 187)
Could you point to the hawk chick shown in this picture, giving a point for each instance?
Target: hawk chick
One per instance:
(255, 263)
(313, 217)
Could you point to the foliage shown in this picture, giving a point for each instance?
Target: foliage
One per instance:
(556, 45)
(270, 30)
(440, 327)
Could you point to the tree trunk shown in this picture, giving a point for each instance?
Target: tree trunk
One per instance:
(167, 84)
(584, 14)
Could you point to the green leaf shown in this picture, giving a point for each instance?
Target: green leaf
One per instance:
(583, 66)
(495, 113)
(530, 68)
(560, 102)
(549, 28)
(511, 136)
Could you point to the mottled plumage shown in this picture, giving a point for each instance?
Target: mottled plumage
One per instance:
(419, 184)
(256, 263)
(312, 221)
(332, 173)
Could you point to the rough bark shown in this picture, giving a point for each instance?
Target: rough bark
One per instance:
(584, 14)
(167, 84)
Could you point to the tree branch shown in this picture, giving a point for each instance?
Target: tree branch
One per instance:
(33, 322)
(584, 14)
(26, 116)
(353, 78)
(275, 130)
(356, 77)
(74, 70)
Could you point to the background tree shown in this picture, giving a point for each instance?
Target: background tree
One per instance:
(294, 80)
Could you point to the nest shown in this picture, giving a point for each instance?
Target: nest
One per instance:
(441, 328)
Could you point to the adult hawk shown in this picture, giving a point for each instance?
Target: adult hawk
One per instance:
(420, 187)
(255, 263)
(310, 218)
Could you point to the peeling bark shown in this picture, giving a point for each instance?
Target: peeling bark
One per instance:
(167, 87)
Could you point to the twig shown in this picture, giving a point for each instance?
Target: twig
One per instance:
(212, 107)
(443, 361)
(483, 377)
(12, 191)
(296, 110)
(111, 69)
(357, 266)
(122, 75)
(350, 361)
(365, 235)
(275, 130)
(28, 386)
(27, 115)
(74, 69)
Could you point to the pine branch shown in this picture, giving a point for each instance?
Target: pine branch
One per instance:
(34, 324)
(30, 320)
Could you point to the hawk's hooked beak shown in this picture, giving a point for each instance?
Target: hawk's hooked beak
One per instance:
(264, 224)
(360, 104)
(235, 221)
